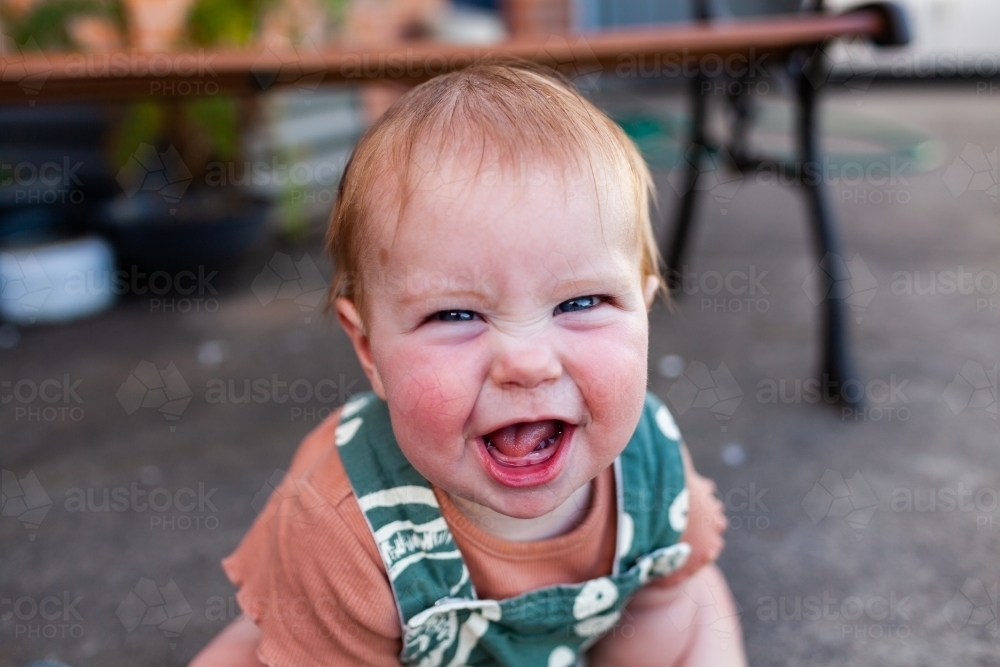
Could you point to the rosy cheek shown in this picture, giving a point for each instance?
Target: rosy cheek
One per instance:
(612, 375)
(432, 390)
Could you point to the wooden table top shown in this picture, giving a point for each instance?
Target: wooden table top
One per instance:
(670, 49)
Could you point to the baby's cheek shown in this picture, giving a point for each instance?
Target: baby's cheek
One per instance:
(612, 377)
(430, 391)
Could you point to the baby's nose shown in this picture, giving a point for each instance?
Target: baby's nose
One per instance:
(525, 365)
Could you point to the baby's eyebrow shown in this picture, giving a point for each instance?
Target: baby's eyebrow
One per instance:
(474, 292)
(610, 282)
(422, 297)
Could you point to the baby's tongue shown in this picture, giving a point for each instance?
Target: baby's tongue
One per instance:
(521, 439)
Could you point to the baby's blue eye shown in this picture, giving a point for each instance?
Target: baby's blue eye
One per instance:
(454, 316)
(579, 303)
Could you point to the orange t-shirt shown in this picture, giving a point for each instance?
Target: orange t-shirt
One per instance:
(311, 578)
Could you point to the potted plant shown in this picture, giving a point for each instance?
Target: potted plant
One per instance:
(170, 212)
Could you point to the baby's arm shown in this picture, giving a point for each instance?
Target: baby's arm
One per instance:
(705, 526)
(236, 646)
(687, 619)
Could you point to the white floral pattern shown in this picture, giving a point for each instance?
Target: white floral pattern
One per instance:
(671, 559)
(679, 511)
(595, 596)
(562, 656)
(626, 533)
(597, 624)
(346, 431)
(665, 421)
(432, 639)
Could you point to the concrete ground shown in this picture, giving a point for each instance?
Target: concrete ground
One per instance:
(856, 539)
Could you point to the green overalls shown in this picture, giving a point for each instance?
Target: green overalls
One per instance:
(444, 622)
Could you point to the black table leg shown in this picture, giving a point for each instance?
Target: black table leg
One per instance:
(836, 367)
(673, 253)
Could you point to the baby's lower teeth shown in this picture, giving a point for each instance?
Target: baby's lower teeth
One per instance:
(544, 444)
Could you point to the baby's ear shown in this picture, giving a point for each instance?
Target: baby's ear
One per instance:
(649, 290)
(350, 319)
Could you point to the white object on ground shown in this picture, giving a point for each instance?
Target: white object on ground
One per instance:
(56, 282)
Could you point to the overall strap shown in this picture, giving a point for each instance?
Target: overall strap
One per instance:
(415, 543)
(652, 496)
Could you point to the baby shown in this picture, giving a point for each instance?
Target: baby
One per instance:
(508, 493)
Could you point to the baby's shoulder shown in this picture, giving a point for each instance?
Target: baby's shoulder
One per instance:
(317, 461)
(314, 497)
(309, 567)
(310, 508)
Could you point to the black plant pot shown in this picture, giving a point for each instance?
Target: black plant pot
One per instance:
(53, 161)
(209, 227)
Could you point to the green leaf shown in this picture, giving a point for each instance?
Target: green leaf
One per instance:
(46, 22)
(223, 22)
(142, 124)
(217, 116)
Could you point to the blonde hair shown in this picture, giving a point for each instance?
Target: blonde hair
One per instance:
(515, 108)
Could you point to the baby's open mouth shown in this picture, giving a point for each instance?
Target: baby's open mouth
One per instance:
(524, 443)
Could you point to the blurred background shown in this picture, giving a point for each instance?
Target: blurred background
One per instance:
(163, 345)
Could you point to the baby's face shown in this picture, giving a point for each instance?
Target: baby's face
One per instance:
(507, 330)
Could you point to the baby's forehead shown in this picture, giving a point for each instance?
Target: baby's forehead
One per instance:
(550, 229)
(486, 174)
(459, 205)
(441, 174)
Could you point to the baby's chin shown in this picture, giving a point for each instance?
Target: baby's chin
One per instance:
(528, 508)
(525, 503)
